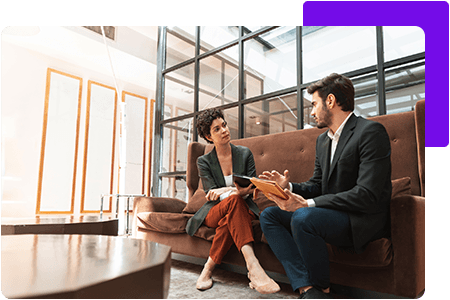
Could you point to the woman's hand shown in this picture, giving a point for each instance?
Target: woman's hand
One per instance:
(243, 191)
(214, 194)
(282, 180)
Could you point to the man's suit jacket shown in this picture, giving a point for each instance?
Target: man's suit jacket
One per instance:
(358, 180)
(212, 177)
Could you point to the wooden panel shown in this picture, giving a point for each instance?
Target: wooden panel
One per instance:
(99, 148)
(136, 133)
(59, 147)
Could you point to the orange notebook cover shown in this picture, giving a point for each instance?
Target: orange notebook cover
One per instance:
(269, 186)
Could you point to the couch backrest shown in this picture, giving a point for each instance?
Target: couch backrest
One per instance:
(295, 150)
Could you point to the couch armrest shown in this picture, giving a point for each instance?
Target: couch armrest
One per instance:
(408, 242)
(157, 204)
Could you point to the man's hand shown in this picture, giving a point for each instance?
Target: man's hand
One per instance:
(292, 204)
(282, 180)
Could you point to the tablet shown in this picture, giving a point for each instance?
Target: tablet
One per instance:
(269, 186)
(241, 180)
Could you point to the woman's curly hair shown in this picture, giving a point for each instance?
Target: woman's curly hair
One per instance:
(205, 120)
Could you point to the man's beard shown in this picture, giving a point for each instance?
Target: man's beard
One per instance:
(326, 120)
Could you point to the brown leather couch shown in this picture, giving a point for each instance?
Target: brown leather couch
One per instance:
(393, 265)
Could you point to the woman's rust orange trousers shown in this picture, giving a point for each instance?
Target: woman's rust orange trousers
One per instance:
(233, 222)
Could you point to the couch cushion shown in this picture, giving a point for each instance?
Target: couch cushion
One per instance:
(171, 223)
(176, 223)
(196, 201)
(377, 254)
(163, 221)
(401, 186)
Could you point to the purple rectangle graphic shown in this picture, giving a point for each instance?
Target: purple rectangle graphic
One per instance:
(431, 16)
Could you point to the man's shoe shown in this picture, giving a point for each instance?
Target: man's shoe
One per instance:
(314, 293)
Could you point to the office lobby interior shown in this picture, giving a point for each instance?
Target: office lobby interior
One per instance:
(99, 121)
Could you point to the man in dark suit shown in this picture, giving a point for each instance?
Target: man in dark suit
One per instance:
(346, 201)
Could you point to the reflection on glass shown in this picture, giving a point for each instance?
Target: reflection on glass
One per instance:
(179, 91)
(337, 50)
(366, 95)
(218, 81)
(174, 187)
(176, 138)
(401, 41)
(231, 115)
(250, 29)
(308, 120)
(278, 114)
(404, 87)
(180, 45)
(215, 36)
(270, 61)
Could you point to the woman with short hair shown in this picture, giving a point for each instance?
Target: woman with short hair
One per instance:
(229, 208)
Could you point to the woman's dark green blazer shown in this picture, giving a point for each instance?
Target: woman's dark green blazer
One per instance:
(212, 177)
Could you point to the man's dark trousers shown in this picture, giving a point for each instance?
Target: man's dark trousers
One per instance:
(299, 239)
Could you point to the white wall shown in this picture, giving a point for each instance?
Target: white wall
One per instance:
(22, 98)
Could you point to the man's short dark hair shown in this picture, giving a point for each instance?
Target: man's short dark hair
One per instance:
(338, 85)
(205, 120)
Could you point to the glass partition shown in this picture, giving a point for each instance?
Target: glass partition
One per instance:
(401, 41)
(339, 50)
(177, 136)
(366, 98)
(179, 91)
(404, 87)
(219, 79)
(277, 114)
(308, 120)
(250, 29)
(174, 187)
(270, 61)
(180, 45)
(215, 36)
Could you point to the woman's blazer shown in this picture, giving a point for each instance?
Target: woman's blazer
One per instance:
(212, 177)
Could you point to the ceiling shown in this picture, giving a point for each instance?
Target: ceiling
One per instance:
(132, 54)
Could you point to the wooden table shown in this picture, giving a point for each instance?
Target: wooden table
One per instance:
(84, 266)
(87, 224)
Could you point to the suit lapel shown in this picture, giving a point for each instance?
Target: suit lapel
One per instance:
(347, 132)
(237, 160)
(326, 145)
(217, 170)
